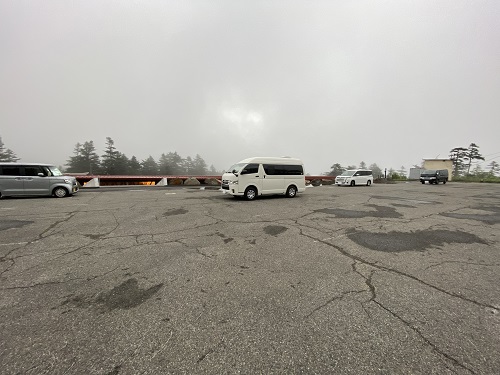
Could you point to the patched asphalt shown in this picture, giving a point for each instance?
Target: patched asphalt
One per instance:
(397, 278)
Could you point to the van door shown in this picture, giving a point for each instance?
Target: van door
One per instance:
(273, 182)
(35, 184)
(251, 174)
(11, 180)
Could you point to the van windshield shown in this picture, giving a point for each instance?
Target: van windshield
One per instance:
(236, 168)
(349, 172)
(55, 171)
(429, 171)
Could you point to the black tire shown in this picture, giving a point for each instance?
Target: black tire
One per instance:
(369, 182)
(444, 182)
(423, 182)
(250, 193)
(291, 191)
(60, 192)
(353, 183)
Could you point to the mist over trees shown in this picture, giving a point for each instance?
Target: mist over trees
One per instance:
(466, 166)
(113, 162)
(337, 169)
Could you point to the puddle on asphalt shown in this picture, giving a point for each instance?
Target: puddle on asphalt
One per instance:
(420, 240)
(274, 230)
(124, 296)
(380, 211)
(493, 218)
(13, 224)
(402, 205)
(414, 201)
(175, 211)
(127, 295)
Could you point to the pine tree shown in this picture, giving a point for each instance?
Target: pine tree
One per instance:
(471, 154)
(376, 171)
(134, 166)
(199, 166)
(337, 169)
(494, 168)
(6, 154)
(457, 155)
(108, 162)
(149, 166)
(170, 164)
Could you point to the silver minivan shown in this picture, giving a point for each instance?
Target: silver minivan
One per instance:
(18, 179)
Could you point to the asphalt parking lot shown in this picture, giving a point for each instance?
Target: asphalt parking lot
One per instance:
(387, 279)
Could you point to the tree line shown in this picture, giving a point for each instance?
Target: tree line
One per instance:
(85, 159)
(114, 162)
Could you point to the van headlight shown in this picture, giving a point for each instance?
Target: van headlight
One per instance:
(233, 182)
(67, 181)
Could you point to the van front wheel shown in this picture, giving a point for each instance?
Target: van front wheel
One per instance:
(250, 193)
(353, 183)
(291, 191)
(369, 183)
(60, 192)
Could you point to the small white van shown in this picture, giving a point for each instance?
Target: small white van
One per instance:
(265, 175)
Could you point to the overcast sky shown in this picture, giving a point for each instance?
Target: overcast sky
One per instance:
(386, 82)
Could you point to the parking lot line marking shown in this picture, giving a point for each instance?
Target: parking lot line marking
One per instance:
(13, 243)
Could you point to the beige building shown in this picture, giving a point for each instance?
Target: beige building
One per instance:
(440, 164)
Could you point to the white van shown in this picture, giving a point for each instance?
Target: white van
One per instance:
(265, 175)
(354, 177)
(35, 179)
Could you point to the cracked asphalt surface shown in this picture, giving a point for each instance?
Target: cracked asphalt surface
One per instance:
(400, 279)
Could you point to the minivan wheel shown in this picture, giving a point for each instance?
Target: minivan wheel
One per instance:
(353, 183)
(250, 193)
(291, 191)
(60, 192)
(444, 182)
(369, 183)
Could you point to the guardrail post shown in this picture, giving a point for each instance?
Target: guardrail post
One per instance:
(162, 182)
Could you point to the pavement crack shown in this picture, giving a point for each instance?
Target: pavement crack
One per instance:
(400, 273)
(55, 224)
(333, 299)
(425, 339)
(210, 351)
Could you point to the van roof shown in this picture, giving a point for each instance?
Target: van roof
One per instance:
(268, 159)
(17, 163)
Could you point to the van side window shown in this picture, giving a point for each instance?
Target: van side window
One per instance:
(32, 170)
(295, 170)
(250, 168)
(269, 169)
(283, 169)
(11, 171)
